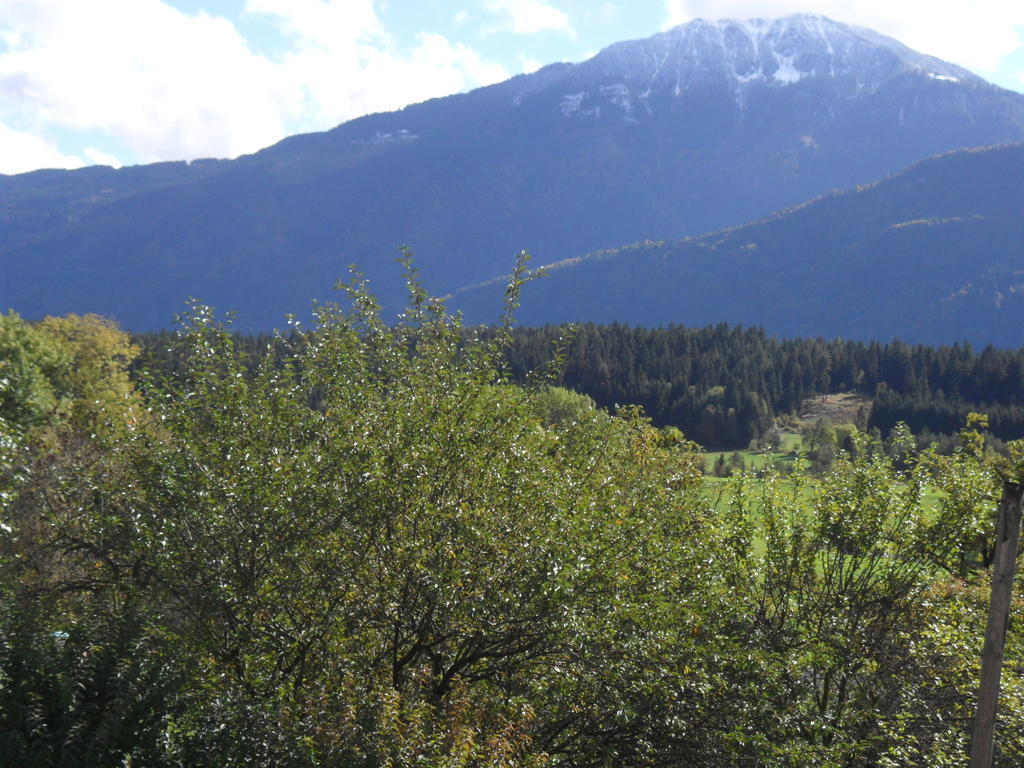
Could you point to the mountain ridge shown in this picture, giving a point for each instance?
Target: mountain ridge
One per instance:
(471, 179)
(930, 255)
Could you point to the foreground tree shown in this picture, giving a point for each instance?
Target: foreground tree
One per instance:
(867, 636)
(373, 550)
(376, 551)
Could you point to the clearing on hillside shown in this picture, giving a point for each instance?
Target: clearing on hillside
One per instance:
(839, 408)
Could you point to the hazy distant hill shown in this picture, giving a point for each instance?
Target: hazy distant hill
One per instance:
(701, 127)
(933, 254)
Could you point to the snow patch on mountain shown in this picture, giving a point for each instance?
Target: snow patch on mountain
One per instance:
(787, 73)
(571, 103)
(738, 56)
(388, 137)
(619, 96)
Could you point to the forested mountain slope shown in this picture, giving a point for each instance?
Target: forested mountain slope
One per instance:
(707, 125)
(933, 255)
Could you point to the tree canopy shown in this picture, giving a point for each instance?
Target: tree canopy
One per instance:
(374, 548)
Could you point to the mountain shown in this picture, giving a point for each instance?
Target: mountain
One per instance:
(934, 254)
(705, 126)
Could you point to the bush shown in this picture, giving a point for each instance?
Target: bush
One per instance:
(413, 568)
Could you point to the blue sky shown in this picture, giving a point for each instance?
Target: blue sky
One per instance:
(131, 81)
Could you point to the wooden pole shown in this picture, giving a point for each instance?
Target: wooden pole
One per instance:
(1004, 564)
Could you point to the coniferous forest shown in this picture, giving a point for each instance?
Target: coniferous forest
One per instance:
(725, 385)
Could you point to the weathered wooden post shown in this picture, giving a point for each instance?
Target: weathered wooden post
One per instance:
(1004, 564)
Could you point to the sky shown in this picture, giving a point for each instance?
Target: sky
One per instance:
(122, 82)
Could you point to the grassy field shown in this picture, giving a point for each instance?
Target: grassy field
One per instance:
(784, 459)
(834, 409)
(790, 459)
(720, 489)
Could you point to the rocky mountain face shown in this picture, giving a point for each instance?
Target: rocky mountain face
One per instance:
(931, 255)
(705, 126)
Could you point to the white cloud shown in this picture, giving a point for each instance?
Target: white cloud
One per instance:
(168, 84)
(173, 85)
(98, 157)
(330, 24)
(972, 33)
(608, 13)
(21, 151)
(437, 52)
(675, 13)
(528, 17)
(344, 63)
(529, 65)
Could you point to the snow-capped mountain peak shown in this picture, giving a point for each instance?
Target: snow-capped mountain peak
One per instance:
(741, 55)
(782, 51)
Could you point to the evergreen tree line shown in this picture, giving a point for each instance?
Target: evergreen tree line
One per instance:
(724, 385)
